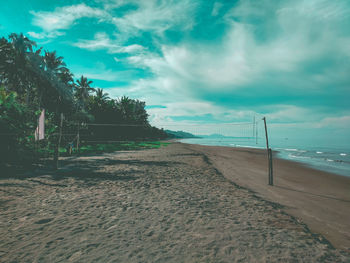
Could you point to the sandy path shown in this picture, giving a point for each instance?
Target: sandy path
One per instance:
(164, 205)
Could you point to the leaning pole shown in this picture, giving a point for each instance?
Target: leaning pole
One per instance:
(269, 155)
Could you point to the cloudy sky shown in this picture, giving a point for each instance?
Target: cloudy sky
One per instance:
(206, 61)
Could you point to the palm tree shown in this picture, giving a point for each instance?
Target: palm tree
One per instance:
(83, 89)
(125, 106)
(21, 43)
(100, 95)
(18, 66)
(6, 61)
(66, 76)
(54, 63)
(57, 80)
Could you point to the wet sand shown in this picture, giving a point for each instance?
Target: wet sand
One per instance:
(180, 203)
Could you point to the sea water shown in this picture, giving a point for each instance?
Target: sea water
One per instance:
(331, 158)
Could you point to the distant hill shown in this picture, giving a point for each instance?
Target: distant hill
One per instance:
(214, 135)
(180, 134)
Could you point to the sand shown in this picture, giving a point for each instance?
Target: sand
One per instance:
(180, 203)
(319, 199)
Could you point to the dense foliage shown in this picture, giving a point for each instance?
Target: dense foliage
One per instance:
(32, 79)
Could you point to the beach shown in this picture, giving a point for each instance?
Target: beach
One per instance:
(179, 203)
(320, 199)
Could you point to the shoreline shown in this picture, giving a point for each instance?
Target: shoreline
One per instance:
(319, 198)
(327, 165)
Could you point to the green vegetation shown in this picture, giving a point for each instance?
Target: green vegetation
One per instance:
(106, 147)
(75, 113)
(100, 148)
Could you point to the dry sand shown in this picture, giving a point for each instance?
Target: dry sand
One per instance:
(174, 204)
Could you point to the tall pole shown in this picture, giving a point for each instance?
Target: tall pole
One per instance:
(269, 155)
(256, 133)
(78, 138)
(56, 153)
(267, 138)
(253, 126)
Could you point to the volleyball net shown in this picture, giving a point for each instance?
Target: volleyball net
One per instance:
(75, 136)
(235, 132)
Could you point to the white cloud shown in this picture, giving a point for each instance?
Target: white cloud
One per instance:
(292, 114)
(157, 16)
(151, 15)
(241, 58)
(134, 48)
(63, 17)
(102, 41)
(45, 35)
(337, 122)
(321, 9)
(238, 60)
(216, 8)
(36, 35)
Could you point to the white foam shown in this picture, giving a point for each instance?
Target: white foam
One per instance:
(343, 154)
(299, 157)
(319, 152)
(292, 150)
(246, 146)
(330, 160)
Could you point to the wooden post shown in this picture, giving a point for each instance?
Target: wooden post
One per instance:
(256, 132)
(267, 138)
(36, 148)
(253, 126)
(269, 155)
(270, 168)
(56, 153)
(78, 138)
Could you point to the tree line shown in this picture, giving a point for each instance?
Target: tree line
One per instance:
(32, 79)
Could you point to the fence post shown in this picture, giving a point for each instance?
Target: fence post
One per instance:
(269, 155)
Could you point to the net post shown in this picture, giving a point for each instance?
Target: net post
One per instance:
(256, 132)
(78, 139)
(253, 126)
(56, 153)
(270, 168)
(269, 154)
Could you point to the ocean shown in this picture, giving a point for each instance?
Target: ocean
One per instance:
(334, 158)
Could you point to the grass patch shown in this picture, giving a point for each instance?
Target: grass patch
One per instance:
(120, 146)
(98, 148)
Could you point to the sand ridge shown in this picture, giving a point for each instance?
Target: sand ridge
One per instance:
(162, 205)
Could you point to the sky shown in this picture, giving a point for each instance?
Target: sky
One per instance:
(206, 62)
